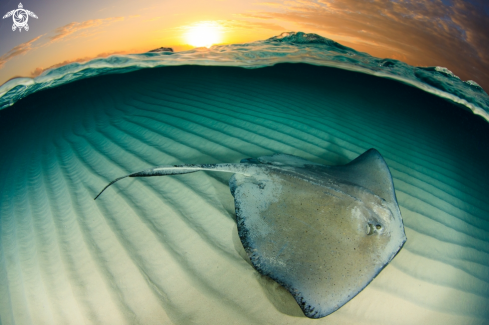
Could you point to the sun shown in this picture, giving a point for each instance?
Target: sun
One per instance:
(204, 33)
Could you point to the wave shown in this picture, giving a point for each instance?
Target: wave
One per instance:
(289, 47)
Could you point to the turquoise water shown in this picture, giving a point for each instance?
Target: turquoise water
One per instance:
(166, 250)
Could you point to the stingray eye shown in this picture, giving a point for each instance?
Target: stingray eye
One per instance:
(373, 228)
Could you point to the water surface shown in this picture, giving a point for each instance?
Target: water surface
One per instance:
(166, 250)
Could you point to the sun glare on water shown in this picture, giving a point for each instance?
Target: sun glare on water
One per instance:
(204, 34)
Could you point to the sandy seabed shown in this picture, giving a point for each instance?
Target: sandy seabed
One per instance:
(165, 250)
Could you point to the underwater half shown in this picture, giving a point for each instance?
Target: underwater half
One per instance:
(333, 187)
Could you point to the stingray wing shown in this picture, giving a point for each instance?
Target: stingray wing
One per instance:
(316, 232)
(30, 13)
(8, 14)
(370, 171)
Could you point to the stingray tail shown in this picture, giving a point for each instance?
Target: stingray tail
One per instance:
(183, 169)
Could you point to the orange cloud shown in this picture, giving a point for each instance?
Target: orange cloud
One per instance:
(152, 19)
(422, 32)
(241, 24)
(18, 50)
(59, 33)
(71, 28)
(270, 4)
(254, 15)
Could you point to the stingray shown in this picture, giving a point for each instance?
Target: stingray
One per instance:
(322, 232)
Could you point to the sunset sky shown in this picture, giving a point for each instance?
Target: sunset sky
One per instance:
(450, 33)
